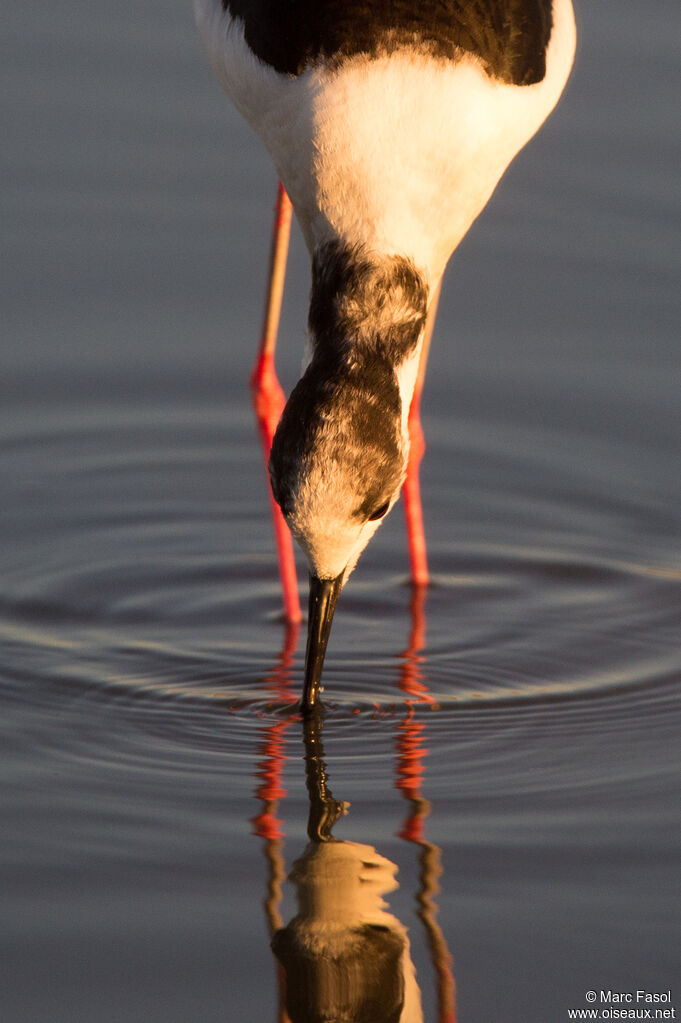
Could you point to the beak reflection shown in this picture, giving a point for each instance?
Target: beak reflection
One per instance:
(345, 956)
(323, 598)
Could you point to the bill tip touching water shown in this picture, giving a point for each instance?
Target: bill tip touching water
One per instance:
(389, 128)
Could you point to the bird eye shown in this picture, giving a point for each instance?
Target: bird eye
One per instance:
(380, 512)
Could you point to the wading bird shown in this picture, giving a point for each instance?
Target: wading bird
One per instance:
(389, 123)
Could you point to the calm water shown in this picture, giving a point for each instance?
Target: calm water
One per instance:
(518, 724)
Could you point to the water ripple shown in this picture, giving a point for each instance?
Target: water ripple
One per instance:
(137, 582)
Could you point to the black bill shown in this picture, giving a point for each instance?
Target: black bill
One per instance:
(323, 597)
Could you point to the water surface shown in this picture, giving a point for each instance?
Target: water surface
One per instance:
(518, 723)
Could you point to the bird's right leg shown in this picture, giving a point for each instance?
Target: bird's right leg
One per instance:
(416, 539)
(268, 397)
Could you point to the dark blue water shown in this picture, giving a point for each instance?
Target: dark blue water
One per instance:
(519, 723)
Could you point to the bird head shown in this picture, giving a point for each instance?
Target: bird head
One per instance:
(339, 455)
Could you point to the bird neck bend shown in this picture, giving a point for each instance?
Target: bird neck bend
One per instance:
(367, 318)
(365, 303)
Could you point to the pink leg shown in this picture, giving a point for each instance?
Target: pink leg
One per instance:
(268, 397)
(416, 539)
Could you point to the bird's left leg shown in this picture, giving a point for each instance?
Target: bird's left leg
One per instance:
(416, 539)
(268, 397)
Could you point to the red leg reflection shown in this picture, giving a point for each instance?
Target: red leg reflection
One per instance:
(411, 754)
(270, 791)
(416, 539)
(268, 397)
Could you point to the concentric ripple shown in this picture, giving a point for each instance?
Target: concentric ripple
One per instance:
(141, 569)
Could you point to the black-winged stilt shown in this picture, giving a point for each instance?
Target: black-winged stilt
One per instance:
(389, 124)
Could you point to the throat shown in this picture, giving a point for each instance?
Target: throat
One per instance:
(367, 319)
(364, 301)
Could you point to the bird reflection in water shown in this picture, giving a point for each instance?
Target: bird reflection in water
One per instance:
(344, 957)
